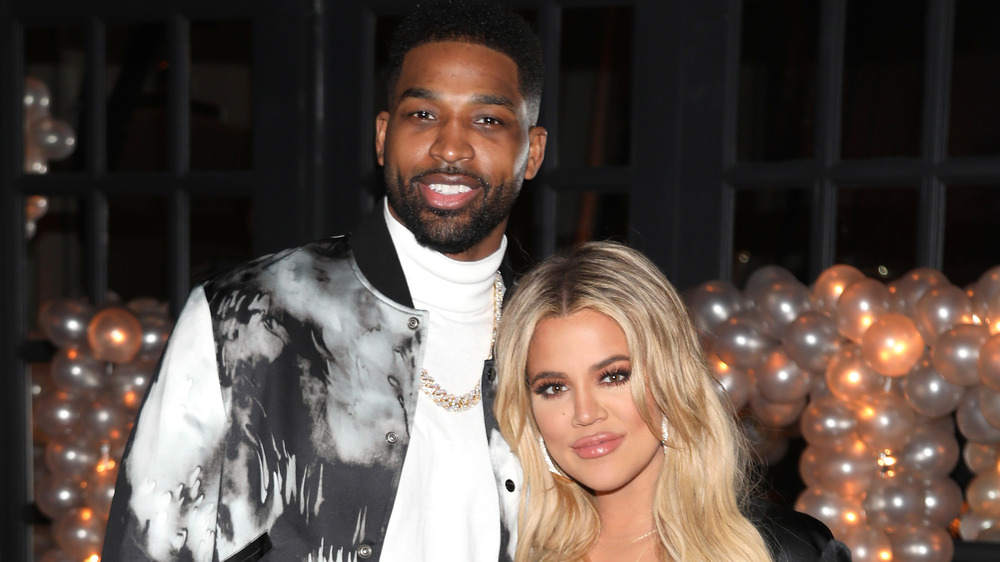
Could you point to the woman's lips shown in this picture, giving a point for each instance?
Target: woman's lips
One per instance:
(596, 445)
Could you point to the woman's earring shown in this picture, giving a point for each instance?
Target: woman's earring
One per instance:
(548, 459)
(664, 432)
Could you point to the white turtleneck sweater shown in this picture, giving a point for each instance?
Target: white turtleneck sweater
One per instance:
(446, 506)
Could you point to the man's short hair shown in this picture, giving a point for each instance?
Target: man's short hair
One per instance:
(477, 22)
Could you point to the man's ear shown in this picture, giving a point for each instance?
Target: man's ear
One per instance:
(537, 136)
(381, 123)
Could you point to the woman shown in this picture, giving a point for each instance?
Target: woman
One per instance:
(629, 451)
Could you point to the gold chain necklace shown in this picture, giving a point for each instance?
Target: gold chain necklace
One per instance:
(447, 400)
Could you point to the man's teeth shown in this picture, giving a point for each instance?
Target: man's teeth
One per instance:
(449, 189)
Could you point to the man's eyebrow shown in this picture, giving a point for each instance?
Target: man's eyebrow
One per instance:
(478, 99)
(419, 93)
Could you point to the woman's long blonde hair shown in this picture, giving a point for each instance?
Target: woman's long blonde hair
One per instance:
(700, 496)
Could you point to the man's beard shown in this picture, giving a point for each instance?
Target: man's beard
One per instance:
(450, 231)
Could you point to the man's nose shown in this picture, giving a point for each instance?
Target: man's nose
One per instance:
(452, 142)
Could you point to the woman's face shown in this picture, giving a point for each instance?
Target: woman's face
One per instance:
(579, 370)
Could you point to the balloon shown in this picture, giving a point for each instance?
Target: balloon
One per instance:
(990, 535)
(775, 414)
(36, 98)
(35, 207)
(907, 290)
(830, 285)
(80, 533)
(56, 555)
(115, 334)
(971, 422)
(107, 421)
(892, 345)
(867, 544)
(971, 524)
(980, 456)
(58, 413)
(761, 280)
(848, 376)
(847, 468)
(922, 543)
(779, 379)
(986, 288)
(77, 369)
(983, 493)
(894, 503)
(809, 465)
(956, 353)
(885, 421)
(740, 343)
(128, 382)
(988, 364)
(64, 321)
(940, 309)
(942, 501)
(155, 329)
(929, 393)
(989, 405)
(55, 137)
(827, 419)
(811, 340)
(931, 453)
(34, 163)
(71, 456)
(99, 490)
(838, 513)
(55, 496)
(780, 304)
(862, 302)
(712, 303)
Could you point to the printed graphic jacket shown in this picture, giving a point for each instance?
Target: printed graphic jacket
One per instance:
(278, 421)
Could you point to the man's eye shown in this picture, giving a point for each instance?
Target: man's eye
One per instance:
(488, 120)
(422, 114)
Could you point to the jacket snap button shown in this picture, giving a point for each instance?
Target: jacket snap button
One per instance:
(364, 551)
(413, 323)
(390, 437)
(491, 374)
(509, 484)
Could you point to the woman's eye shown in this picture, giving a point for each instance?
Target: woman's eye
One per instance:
(550, 389)
(616, 377)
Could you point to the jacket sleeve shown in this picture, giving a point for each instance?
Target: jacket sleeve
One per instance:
(166, 498)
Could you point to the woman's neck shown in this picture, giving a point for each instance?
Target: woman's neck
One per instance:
(628, 531)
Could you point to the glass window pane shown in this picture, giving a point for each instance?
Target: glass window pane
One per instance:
(777, 81)
(221, 95)
(136, 91)
(54, 67)
(771, 228)
(883, 78)
(138, 247)
(975, 80)
(221, 234)
(590, 215)
(970, 232)
(595, 86)
(877, 230)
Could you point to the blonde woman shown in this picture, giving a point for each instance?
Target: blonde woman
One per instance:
(629, 453)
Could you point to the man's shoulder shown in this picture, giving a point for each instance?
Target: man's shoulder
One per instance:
(319, 255)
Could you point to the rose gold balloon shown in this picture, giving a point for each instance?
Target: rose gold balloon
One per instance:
(988, 364)
(980, 456)
(892, 345)
(922, 543)
(712, 303)
(929, 393)
(861, 304)
(115, 334)
(885, 421)
(867, 544)
(956, 353)
(986, 288)
(830, 285)
(80, 533)
(942, 501)
(849, 378)
(847, 467)
(983, 494)
(838, 513)
(972, 523)
(826, 420)
(940, 309)
(907, 290)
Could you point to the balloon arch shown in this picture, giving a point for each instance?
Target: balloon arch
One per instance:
(882, 381)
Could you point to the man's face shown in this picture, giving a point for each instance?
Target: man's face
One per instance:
(456, 146)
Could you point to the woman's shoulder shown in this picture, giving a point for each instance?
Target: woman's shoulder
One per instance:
(795, 536)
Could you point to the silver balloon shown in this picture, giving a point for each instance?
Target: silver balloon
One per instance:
(971, 422)
(922, 543)
(739, 341)
(80, 533)
(762, 279)
(55, 137)
(837, 512)
(37, 99)
(129, 381)
(849, 378)
(156, 329)
(983, 494)
(987, 287)
(940, 309)
(885, 421)
(989, 405)
(847, 468)
(780, 304)
(55, 496)
(775, 414)
(956, 353)
(989, 361)
(990, 535)
(942, 501)
(972, 524)
(929, 393)
(810, 462)
(712, 303)
(779, 379)
(811, 340)
(907, 290)
(830, 285)
(893, 503)
(76, 369)
(861, 304)
(980, 456)
(71, 456)
(826, 420)
(931, 453)
(59, 412)
(867, 544)
(100, 490)
(105, 420)
(64, 321)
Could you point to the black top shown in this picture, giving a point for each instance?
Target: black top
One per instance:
(793, 536)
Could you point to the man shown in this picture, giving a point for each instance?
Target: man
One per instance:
(334, 401)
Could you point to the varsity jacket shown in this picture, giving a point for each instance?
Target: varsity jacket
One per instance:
(279, 418)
